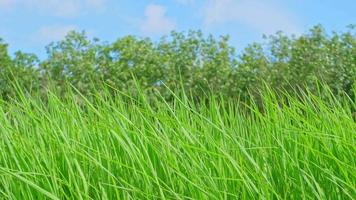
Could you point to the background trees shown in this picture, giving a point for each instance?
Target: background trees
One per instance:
(197, 62)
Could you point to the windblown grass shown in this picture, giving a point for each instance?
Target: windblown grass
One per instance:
(114, 148)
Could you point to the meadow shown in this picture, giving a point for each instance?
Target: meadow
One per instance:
(118, 147)
(183, 117)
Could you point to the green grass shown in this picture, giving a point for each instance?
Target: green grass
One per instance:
(111, 148)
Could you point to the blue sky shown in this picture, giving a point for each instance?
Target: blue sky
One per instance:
(29, 25)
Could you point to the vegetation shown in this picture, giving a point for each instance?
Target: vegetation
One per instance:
(200, 63)
(114, 148)
(182, 118)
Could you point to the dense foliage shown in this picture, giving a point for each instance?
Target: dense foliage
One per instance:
(111, 148)
(274, 125)
(198, 63)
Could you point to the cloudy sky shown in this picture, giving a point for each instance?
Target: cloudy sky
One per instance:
(29, 25)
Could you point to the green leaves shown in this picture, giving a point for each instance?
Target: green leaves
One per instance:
(115, 147)
(200, 64)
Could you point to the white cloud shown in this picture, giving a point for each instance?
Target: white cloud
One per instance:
(61, 8)
(6, 4)
(52, 33)
(265, 17)
(185, 2)
(156, 21)
(67, 8)
(96, 3)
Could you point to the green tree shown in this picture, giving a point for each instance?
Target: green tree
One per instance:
(201, 64)
(74, 60)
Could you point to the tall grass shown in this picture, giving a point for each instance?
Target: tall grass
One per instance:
(115, 148)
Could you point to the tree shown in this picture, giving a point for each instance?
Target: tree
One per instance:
(198, 63)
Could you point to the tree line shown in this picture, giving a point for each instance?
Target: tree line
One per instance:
(190, 60)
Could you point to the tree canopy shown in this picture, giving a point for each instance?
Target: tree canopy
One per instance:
(187, 60)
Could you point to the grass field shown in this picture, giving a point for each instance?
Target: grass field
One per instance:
(110, 148)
